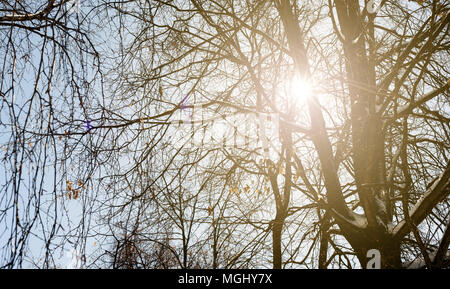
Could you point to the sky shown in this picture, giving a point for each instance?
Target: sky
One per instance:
(68, 253)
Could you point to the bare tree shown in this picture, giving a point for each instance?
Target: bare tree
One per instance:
(373, 136)
(49, 69)
(357, 158)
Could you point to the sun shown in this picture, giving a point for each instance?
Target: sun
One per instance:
(300, 87)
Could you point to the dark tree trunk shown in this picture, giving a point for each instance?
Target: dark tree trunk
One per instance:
(276, 238)
(388, 247)
(324, 226)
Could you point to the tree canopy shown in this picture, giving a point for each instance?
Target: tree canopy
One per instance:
(225, 134)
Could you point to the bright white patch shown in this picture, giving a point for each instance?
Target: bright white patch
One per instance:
(374, 261)
(75, 259)
(299, 87)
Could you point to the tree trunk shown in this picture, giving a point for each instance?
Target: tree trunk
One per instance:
(323, 249)
(276, 238)
(388, 247)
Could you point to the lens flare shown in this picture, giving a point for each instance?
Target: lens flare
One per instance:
(300, 88)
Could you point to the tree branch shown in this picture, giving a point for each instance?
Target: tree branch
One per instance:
(441, 252)
(407, 109)
(437, 191)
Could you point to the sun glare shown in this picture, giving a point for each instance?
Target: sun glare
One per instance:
(299, 87)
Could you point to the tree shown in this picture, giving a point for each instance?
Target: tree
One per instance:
(377, 122)
(357, 159)
(49, 69)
